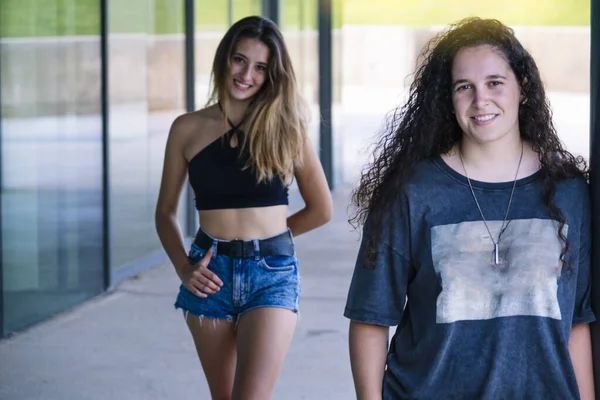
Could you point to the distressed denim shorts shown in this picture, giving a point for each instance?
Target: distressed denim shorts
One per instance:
(249, 280)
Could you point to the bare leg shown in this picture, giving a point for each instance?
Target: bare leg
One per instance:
(264, 336)
(216, 347)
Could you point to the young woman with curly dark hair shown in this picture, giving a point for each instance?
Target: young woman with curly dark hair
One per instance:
(476, 236)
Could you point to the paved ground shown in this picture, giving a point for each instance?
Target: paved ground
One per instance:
(131, 344)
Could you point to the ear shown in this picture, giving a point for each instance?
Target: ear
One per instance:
(523, 83)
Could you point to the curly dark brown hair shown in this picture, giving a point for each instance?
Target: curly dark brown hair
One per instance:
(425, 125)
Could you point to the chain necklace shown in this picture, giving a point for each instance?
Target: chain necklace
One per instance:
(496, 259)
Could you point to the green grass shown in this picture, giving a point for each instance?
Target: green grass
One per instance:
(32, 18)
(145, 16)
(441, 12)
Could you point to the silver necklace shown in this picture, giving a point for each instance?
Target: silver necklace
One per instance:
(496, 258)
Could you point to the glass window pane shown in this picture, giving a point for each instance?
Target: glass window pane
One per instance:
(299, 27)
(51, 157)
(209, 32)
(146, 93)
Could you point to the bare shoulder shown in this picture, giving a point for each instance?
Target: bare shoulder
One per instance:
(190, 128)
(191, 122)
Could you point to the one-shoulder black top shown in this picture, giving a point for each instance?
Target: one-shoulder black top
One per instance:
(220, 179)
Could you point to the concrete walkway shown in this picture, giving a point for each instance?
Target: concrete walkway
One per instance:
(132, 344)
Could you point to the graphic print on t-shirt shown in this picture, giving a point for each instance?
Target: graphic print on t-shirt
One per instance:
(474, 288)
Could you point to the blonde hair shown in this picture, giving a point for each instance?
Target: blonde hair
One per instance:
(276, 119)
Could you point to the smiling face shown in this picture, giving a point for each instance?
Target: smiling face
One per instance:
(485, 95)
(248, 69)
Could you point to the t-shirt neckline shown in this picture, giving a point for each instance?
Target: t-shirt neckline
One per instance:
(439, 162)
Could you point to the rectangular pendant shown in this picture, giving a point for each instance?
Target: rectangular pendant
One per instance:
(496, 257)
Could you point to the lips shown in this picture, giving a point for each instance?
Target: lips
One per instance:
(484, 119)
(241, 85)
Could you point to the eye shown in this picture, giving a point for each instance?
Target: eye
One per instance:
(238, 59)
(261, 68)
(495, 83)
(462, 88)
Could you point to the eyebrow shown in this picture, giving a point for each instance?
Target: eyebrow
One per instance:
(237, 53)
(495, 76)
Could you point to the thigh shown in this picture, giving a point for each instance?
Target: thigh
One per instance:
(264, 336)
(216, 346)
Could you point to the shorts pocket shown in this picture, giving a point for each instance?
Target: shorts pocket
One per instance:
(196, 253)
(278, 263)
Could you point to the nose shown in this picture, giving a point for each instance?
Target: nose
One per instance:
(247, 73)
(481, 98)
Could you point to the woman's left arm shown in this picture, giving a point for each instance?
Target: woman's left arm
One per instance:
(580, 348)
(315, 192)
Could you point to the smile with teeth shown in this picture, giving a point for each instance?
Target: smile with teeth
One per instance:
(484, 118)
(240, 84)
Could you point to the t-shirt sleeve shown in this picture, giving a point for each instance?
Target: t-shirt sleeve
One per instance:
(377, 292)
(583, 313)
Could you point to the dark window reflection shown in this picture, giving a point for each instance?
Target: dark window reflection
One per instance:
(51, 157)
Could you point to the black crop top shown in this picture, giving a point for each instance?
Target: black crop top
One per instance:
(219, 181)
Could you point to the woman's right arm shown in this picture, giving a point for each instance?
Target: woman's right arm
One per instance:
(376, 300)
(197, 278)
(172, 182)
(368, 353)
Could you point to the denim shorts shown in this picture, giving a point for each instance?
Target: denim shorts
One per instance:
(248, 282)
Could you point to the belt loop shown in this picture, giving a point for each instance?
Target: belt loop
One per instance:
(256, 250)
(214, 247)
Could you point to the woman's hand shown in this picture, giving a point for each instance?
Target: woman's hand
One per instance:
(198, 279)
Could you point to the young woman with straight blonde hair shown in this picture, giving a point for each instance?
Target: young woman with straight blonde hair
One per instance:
(239, 281)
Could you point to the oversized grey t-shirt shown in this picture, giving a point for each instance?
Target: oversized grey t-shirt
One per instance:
(469, 329)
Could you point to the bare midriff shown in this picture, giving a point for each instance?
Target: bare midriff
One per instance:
(244, 223)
